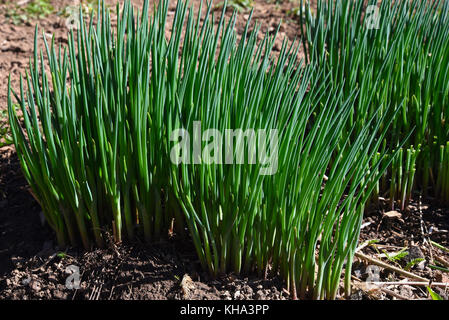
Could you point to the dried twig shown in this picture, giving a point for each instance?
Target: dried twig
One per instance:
(390, 267)
(110, 293)
(424, 231)
(387, 291)
(394, 294)
(362, 246)
(412, 283)
(442, 261)
(46, 262)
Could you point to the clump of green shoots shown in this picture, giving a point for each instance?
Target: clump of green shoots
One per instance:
(396, 54)
(96, 145)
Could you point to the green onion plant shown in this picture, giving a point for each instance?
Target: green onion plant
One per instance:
(396, 54)
(96, 146)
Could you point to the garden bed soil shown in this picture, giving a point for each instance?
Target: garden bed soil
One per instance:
(33, 267)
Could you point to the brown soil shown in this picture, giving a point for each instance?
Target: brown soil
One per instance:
(32, 267)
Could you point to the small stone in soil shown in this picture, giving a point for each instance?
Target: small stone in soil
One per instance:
(414, 252)
(26, 280)
(237, 295)
(259, 295)
(35, 285)
(59, 294)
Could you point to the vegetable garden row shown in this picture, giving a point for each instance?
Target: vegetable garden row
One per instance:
(365, 115)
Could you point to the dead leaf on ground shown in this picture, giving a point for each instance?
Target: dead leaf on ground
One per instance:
(186, 286)
(393, 214)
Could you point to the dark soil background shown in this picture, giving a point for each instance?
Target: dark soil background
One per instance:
(32, 267)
